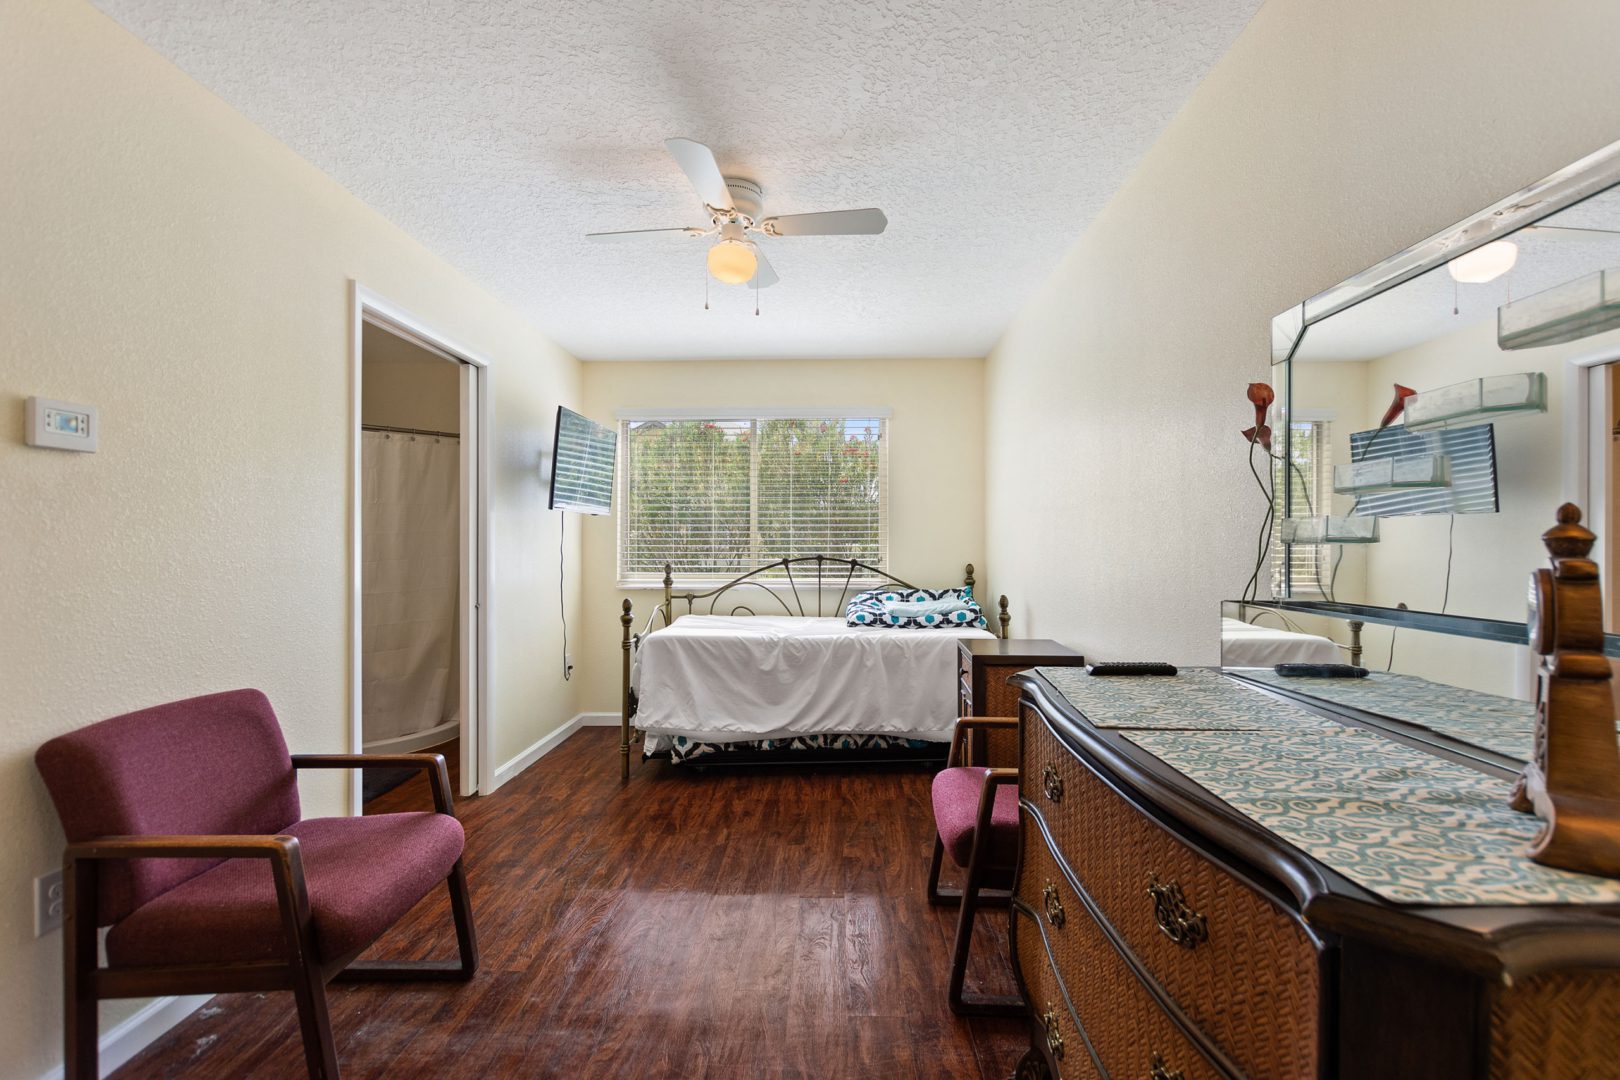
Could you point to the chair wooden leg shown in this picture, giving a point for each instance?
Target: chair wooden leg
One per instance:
(461, 910)
(962, 1005)
(935, 897)
(320, 1053)
(79, 1017)
(971, 886)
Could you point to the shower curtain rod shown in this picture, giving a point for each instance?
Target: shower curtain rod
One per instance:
(409, 431)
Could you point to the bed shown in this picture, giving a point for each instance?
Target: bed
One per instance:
(1245, 644)
(764, 668)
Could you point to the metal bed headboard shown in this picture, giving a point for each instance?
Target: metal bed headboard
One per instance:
(829, 571)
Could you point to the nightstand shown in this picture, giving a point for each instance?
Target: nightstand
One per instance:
(984, 666)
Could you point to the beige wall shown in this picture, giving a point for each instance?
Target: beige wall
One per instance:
(403, 385)
(936, 470)
(1330, 136)
(167, 261)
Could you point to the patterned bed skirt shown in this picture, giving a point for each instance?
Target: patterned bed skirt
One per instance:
(830, 747)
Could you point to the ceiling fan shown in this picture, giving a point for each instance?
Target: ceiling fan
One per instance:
(733, 205)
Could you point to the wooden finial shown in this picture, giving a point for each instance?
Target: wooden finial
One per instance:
(967, 579)
(1004, 618)
(1569, 539)
(1573, 781)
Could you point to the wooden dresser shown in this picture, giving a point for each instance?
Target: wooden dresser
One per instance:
(1159, 934)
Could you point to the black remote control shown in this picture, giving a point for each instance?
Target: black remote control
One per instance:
(1322, 671)
(1132, 667)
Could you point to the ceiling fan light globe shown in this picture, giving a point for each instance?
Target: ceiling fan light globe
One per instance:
(732, 262)
(1484, 263)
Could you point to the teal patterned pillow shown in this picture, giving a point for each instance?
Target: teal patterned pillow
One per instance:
(871, 608)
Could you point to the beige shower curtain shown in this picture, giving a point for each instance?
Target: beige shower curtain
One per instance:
(410, 563)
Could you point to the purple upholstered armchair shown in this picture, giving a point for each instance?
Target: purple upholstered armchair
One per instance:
(185, 837)
(976, 823)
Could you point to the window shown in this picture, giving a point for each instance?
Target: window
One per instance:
(1310, 474)
(720, 496)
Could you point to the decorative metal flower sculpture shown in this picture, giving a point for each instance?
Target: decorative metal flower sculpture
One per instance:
(1260, 396)
(1397, 406)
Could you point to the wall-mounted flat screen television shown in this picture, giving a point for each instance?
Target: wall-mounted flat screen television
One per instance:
(582, 464)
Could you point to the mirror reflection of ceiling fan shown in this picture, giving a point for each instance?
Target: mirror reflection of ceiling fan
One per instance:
(733, 205)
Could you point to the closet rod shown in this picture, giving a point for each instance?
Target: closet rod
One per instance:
(409, 431)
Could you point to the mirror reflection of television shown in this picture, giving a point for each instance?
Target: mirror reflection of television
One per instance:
(1472, 451)
(582, 464)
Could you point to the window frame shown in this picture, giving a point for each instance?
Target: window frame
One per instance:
(623, 417)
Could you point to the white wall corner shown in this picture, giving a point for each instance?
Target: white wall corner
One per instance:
(549, 742)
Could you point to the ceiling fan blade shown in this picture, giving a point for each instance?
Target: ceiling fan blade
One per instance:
(764, 276)
(626, 234)
(697, 162)
(828, 223)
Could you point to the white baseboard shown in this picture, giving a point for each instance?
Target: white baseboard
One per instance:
(546, 743)
(129, 1037)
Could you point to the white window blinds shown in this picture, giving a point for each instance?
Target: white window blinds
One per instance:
(717, 498)
(1310, 475)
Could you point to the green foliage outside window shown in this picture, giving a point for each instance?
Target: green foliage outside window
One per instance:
(718, 498)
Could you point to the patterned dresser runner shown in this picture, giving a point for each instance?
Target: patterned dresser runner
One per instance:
(1409, 826)
(1198, 699)
(1501, 724)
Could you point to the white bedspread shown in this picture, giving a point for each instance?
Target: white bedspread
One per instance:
(722, 678)
(1247, 645)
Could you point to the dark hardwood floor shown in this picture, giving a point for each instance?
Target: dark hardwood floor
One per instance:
(729, 923)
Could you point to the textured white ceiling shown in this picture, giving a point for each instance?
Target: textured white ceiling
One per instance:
(498, 134)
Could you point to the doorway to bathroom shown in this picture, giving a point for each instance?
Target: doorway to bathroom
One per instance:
(418, 613)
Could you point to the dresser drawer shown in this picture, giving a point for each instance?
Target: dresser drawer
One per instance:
(1130, 1034)
(1053, 1019)
(1243, 970)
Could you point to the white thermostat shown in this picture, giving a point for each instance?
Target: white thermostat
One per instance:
(62, 425)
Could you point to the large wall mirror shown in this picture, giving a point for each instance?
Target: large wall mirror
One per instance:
(1506, 331)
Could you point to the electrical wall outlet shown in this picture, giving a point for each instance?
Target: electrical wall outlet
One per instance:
(48, 903)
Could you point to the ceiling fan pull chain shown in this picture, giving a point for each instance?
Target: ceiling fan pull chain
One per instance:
(756, 294)
(705, 289)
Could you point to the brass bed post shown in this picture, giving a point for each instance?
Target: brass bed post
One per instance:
(669, 594)
(1355, 642)
(967, 578)
(624, 716)
(1004, 618)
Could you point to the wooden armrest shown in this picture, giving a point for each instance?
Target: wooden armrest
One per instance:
(433, 764)
(971, 723)
(81, 875)
(228, 846)
(366, 761)
(1000, 776)
(987, 721)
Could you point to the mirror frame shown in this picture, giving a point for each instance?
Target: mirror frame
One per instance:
(1573, 183)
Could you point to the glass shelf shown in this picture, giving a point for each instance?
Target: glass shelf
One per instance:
(1568, 312)
(1477, 401)
(1392, 474)
(1330, 530)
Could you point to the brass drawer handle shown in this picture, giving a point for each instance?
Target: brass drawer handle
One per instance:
(1161, 1071)
(1054, 1037)
(1180, 923)
(1052, 783)
(1054, 905)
